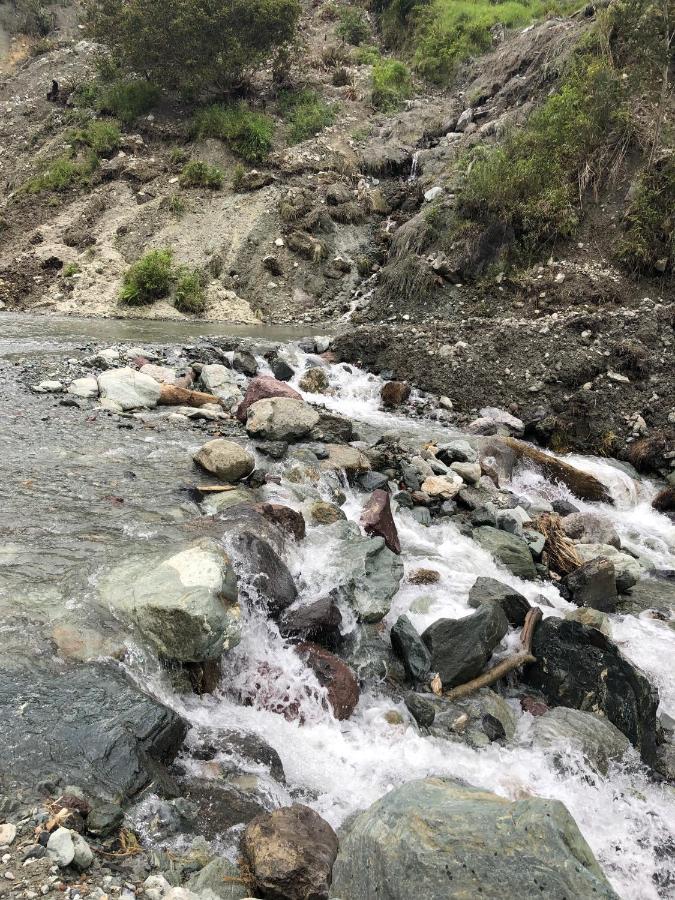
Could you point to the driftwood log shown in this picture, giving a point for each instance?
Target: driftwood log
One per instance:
(502, 668)
(582, 485)
(172, 395)
(562, 554)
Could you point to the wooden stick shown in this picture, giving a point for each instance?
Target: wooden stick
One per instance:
(522, 658)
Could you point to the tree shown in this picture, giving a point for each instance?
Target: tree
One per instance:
(192, 45)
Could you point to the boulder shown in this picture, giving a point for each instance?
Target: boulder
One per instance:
(627, 570)
(162, 374)
(245, 362)
(221, 382)
(221, 806)
(335, 676)
(68, 848)
(227, 460)
(444, 486)
(571, 730)
(438, 837)
(264, 387)
(270, 576)
(511, 551)
(219, 879)
(457, 451)
(323, 513)
(280, 419)
(477, 720)
(332, 428)
(580, 668)
(394, 393)
(235, 751)
(314, 381)
(489, 590)
(371, 572)
(87, 387)
(184, 604)
(460, 648)
(468, 472)
(377, 519)
(281, 370)
(593, 584)
(590, 528)
(290, 853)
(318, 622)
(289, 520)
(342, 456)
(411, 649)
(86, 723)
(421, 709)
(129, 389)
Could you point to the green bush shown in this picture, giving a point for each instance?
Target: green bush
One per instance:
(649, 222)
(149, 279)
(64, 172)
(353, 27)
(103, 137)
(192, 45)
(201, 174)
(34, 18)
(306, 113)
(367, 56)
(190, 293)
(248, 133)
(533, 182)
(391, 84)
(127, 99)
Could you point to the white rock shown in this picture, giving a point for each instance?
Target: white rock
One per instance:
(162, 374)
(7, 834)
(221, 382)
(464, 120)
(128, 388)
(442, 486)
(445, 403)
(86, 387)
(469, 472)
(617, 376)
(83, 856)
(48, 387)
(60, 847)
(432, 193)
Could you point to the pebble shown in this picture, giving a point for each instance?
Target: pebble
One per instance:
(9, 876)
(7, 834)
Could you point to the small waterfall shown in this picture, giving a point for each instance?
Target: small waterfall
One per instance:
(414, 169)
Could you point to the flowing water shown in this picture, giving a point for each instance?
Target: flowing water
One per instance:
(79, 493)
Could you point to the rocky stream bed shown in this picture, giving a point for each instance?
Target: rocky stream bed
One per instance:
(242, 586)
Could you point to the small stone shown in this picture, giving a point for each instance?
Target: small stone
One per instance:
(433, 193)
(60, 847)
(7, 834)
(421, 709)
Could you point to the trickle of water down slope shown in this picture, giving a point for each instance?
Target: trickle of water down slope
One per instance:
(339, 767)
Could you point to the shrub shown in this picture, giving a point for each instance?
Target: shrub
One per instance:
(649, 222)
(70, 269)
(176, 205)
(34, 18)
(306, 114)
(367, 56)
(353, 27)
(190, 294)
(201, 174)
(103, 137)
(333, 56)
(238, 176)
(148, 279)
(391, 84)
(61, 174)
(191, 45)
(127, 99)
(248, 133)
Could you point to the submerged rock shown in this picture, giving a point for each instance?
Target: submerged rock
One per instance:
(129, 389)
(511, 551)
(271, 578)
(371, 573)
(476, 720)
(220, 805)
(226, 460)
(591, 735)
(290, 853)
(185, 604)
(335, 675)
(318, 622)
(440, 838)
(460, 648)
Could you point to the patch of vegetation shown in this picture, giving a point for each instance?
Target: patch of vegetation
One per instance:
(333, 56)
(648, 242)
(127, 99)
(70, 269)
(367, 56)
(34, 18)
(64, 172)
(353, 27)
(249, 134)
(148, 279)
(535, 180)
(306, 113)
(190, 45)
(238, 176)
(200, 174)
(190, 293)
(391, 84)
(176, 205)
(341, 78)
(178, 157)
(102, 136)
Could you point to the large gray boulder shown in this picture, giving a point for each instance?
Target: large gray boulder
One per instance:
(185, 604)
(438, 838)
(593, 737)
(86, 724)
(508, 549)
(371, 572)
(489, 590)
(281, 419)
(225, 459)
(460, 648)
(593, 584)
(129, 389)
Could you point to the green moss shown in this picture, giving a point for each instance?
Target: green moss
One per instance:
(201, 174)
(190, 294)
(249, 134)
(149, 279)
(649, 222)
(353, 26)
(391, 84)
(306, 113)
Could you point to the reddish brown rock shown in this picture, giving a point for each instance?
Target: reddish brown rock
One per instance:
(336, 676)
(394, 393)
(286, 518)
(665, 499)
(318, 622)
(264, 387)
(290, 853)
(377, 518)
(532, 705)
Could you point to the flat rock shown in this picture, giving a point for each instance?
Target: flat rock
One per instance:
(129, 389)
(162, 374)
(342, 456)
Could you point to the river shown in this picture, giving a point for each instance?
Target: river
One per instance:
(79, 493)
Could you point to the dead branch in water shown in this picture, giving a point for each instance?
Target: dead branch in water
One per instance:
(562, 555)
(582, 485)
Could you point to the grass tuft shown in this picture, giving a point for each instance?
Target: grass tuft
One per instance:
(306, 113)
(249, 134)
(391, 84)
(190, 293)
(148, 279)
(201, 174)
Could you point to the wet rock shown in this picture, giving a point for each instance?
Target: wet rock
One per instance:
(333, 428)
(573, 731)
(281, 369)
(227, 460)
(438, 837)
(335, 675)
(129, 389)
(85, 644)
(594, 585)
(244, 362)
(627, 570)
(290, 853)
(394, 393)
(591, 617)
(104, 819)
(424, 576)
(564, 508)
(377, 519)
(373, 481)
(87, 388)
(221, 878)
(510, 550)
(371, 572)
(421, 709)
(185, 604)
(220, 806)
(477, 720)
(580, 668)
(457, 451)
(264, 388)
(314, 381)
(108, 737)
(236, 750)
(323, 513)
(289, 520)
(411, 649)
(273, 449)
(318, 622)
(280, 419)
(590, 528)
(460, 648)
(220, 381)
(342, 456)
(271, 578)
(489, 590)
